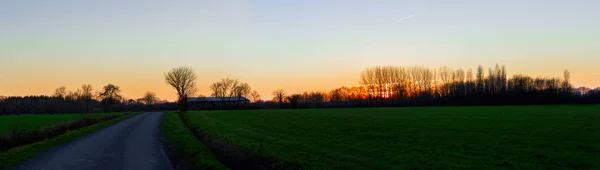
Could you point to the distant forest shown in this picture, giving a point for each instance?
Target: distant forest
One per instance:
(386, 86)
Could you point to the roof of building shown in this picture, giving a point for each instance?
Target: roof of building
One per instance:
(216, 99)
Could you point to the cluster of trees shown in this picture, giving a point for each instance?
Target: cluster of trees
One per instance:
(233, 89)
(415, 86)
(82, 100)
(387, 85)
(379, 86)
(183, 80)
(230, 88)
(307, 99)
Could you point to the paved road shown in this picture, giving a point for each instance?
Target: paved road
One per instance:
(129, 144)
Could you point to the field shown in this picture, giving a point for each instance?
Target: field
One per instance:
(34, 122)
(521, 137)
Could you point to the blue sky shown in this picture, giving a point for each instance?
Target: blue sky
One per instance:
(307, 45)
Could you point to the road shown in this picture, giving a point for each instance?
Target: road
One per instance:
(130, 144)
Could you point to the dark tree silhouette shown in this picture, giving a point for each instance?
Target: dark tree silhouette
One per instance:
(480, 80)
(294, 99)
(381, 86)
(183, 80)
(230, 89)
(60, 92)
(279, 96)
(110, 96)
(254, 96)
(149, 98)
(86, 94)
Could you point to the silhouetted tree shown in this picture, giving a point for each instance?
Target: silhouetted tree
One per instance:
(241, 90)
(279, 96)
(294, 99)
(224, 87)
(60, 92)
(183, 80)
(149, 98)
(231, 89)
(86, 94)
(254, 96)
(393, 86)
(566, 84)
(480, 80)
(110, 96)
(379, 86)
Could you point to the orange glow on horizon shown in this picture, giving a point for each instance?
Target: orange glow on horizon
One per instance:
(134, 83)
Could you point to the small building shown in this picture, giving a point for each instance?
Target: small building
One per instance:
(216, 102)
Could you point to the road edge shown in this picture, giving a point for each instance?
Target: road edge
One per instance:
(14, 156)
(175, 159)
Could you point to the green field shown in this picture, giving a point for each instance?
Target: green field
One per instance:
(34, 122)
(521, 137)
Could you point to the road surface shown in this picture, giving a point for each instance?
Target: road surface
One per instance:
(130, 144)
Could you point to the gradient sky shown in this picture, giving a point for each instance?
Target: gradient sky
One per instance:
(297, 46)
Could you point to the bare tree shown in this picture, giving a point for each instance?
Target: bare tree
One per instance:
(231, 89)
(446, 77)
(470, 84)
(61, 92)
(368, 80)
(110, 95)
(149, 98)
(183, 80)
(86, 94)
(254, 96)
(503, 79)
(242, 90)
(233, 85)
(217, 90)
(566, 84)
(480, 80)
(224, 88)
(73, 96)
(279, 96)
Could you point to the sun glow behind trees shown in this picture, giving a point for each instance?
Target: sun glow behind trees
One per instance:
(407, 82)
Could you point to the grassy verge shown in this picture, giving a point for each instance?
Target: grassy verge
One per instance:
(14, 156)
(236, 156)
(32, 122)
(181, 139)
(17, 139)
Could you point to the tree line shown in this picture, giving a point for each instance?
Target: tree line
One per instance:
(385, 86)
(82, 100)
(381, 86)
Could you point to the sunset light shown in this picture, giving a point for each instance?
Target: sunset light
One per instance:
(305, 84)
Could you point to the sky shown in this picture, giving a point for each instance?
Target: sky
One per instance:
(294, 45)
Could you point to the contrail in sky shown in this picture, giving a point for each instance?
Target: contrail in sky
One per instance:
(407, 17)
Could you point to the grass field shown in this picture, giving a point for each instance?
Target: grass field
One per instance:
(520, 137)
(34, 122)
